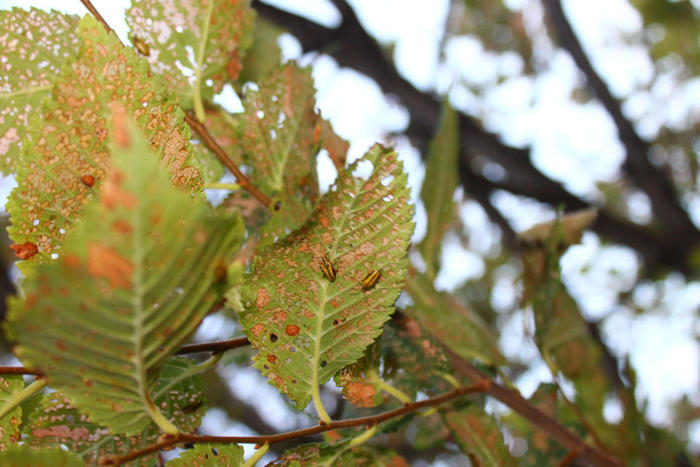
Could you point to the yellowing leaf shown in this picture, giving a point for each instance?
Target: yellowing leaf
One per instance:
(307, 327)
(34, 45)
(101, 333)
(194, 45)
(69, 154)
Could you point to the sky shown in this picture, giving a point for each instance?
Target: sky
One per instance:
(573, 142)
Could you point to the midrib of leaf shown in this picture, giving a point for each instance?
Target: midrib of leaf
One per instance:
(196, 90)
(139, 309)
(279, 175)
(315, 394)
(31, 90)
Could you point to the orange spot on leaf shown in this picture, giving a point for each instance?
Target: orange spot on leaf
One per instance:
(88, 180)
(271, 358)
(104, 262)
(292, 330)
(25, 250)
(257, 329)
(113, 195)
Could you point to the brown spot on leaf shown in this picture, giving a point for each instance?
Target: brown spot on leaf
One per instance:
(105, 262)
(233, 66)
(360, 394)
(292, 330)
(113, 195)
(271, 358)
(122, 226)
(62, 432)
(257, 329)
(25, 250)
(88, 180)
(263, 298)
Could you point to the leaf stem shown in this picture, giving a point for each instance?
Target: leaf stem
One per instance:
(257, 455)
(222, 186)
(318, 404)
(17, 398)
(383, 385)
(278, 438)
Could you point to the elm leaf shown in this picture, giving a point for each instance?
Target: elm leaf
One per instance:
(69, 153)
(148, 258)
(307, 327)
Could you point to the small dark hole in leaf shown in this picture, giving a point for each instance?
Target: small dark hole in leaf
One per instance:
(294, 381)
(215, 451)
(273, 337)
(292, 349)
(278, 205)
(335, 322)
(188, 445)
(324, 363)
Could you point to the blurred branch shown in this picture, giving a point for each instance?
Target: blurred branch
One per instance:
(653, 181)
(351, 46)
(369, 421)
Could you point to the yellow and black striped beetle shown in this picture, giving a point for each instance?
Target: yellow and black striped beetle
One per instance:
(328, 269)
(370, 280)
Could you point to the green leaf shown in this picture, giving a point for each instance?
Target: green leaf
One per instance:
(305, 327)
(58, 421)
(69, 154)
(210, 455)
(413, 361)
(10, 423)
(34, 45)
(148, 259)
(22, 456)
(452, 323)
(439, 187)
(194, 45)
(478, 436)
(282, 133)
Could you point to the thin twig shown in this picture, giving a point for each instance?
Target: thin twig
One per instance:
(93, 11)
(19, 370)
(482, 386)
(214, 147)
(214, 347)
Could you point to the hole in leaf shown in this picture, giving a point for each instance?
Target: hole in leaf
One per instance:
(363, 170)
(323, 363)
(215, 451)
(35, 222)
(386, 181)
(273, 337)
(260, 114)
(388, 198)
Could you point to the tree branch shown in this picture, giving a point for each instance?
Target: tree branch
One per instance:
(654, 182)
(351, 46)
(369, 421)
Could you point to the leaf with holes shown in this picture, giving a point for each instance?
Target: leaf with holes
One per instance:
(69, 154)
(282, 133)
(360, 382)
(307, 323)
(178, 395)
(210, 455)
(194, 45)
(439, 187)
(148, 259)
(478, 436)
(10, 386)
(34, 45)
